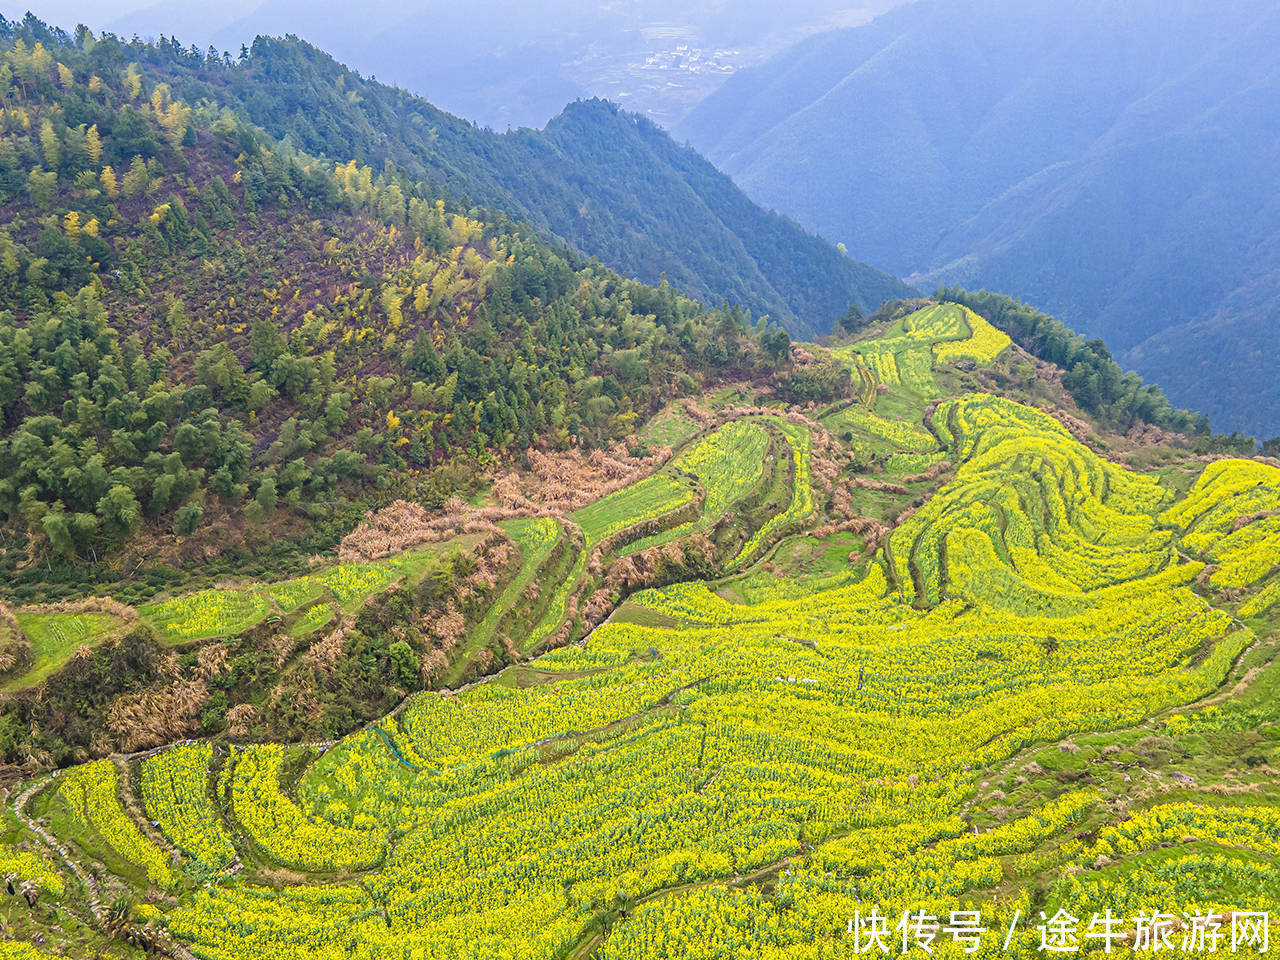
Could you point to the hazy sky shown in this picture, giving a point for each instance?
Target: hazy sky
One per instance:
(67, 13)
(506, 62)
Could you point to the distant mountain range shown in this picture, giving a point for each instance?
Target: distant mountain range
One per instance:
(1113, 163)
(608, 182)
(514, 63)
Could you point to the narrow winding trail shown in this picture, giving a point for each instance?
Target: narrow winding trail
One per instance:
(90, 882)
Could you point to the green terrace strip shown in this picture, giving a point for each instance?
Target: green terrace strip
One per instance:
(867, 425)
(728, 463)
(648, 499)
(630, 506)
(222, 612)
(56, 636)
(799, 442)
(315, 617)
(904, 355)
(984, 344)
(209, 613)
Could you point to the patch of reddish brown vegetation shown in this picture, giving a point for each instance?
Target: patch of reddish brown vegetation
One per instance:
(702, 417)
(871, 483)
(496, 558)
(15, 649)
(401, 525)
(141, 720)
(569, 479)
(870, 529)
(933, 473)
(636, 572)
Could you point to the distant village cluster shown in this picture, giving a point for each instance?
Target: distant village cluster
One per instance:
(686, 58)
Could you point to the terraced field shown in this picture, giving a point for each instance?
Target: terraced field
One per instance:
(54, 636)
(223, 612)
(1048, 686)
(904, 355)
(536, 537)
(801, 505)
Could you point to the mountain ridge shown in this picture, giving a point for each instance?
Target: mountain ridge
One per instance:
(774, 267)
(1133, 198)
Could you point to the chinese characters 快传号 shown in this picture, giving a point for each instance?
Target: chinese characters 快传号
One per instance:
(1063, 933)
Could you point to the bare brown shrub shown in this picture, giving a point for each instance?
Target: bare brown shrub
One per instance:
(15, 648)
(241, 719)
(402, 525)
(324, 654)
(566, 480)
(870, 483)
(935, 471)
(433, 665)
(210, 659)
(448, 627)
(139, 721)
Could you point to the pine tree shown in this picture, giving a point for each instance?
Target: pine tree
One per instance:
(176, 319)
(132, 81)
(426, 358)
(50, 144)
(109, 184)
(93, 144)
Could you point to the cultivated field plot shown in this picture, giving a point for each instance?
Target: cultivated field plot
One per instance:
(55, 636)
(223, 612)
(728, 463)
(645, 500)
(1047, 682)
(175, 787)
(209, 613)
(868, 428)
(905, 354)
(825, 741)
(799, 443)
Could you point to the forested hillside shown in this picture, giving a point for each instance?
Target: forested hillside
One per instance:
(212, 343)
(610, 183)
(1100, 160)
